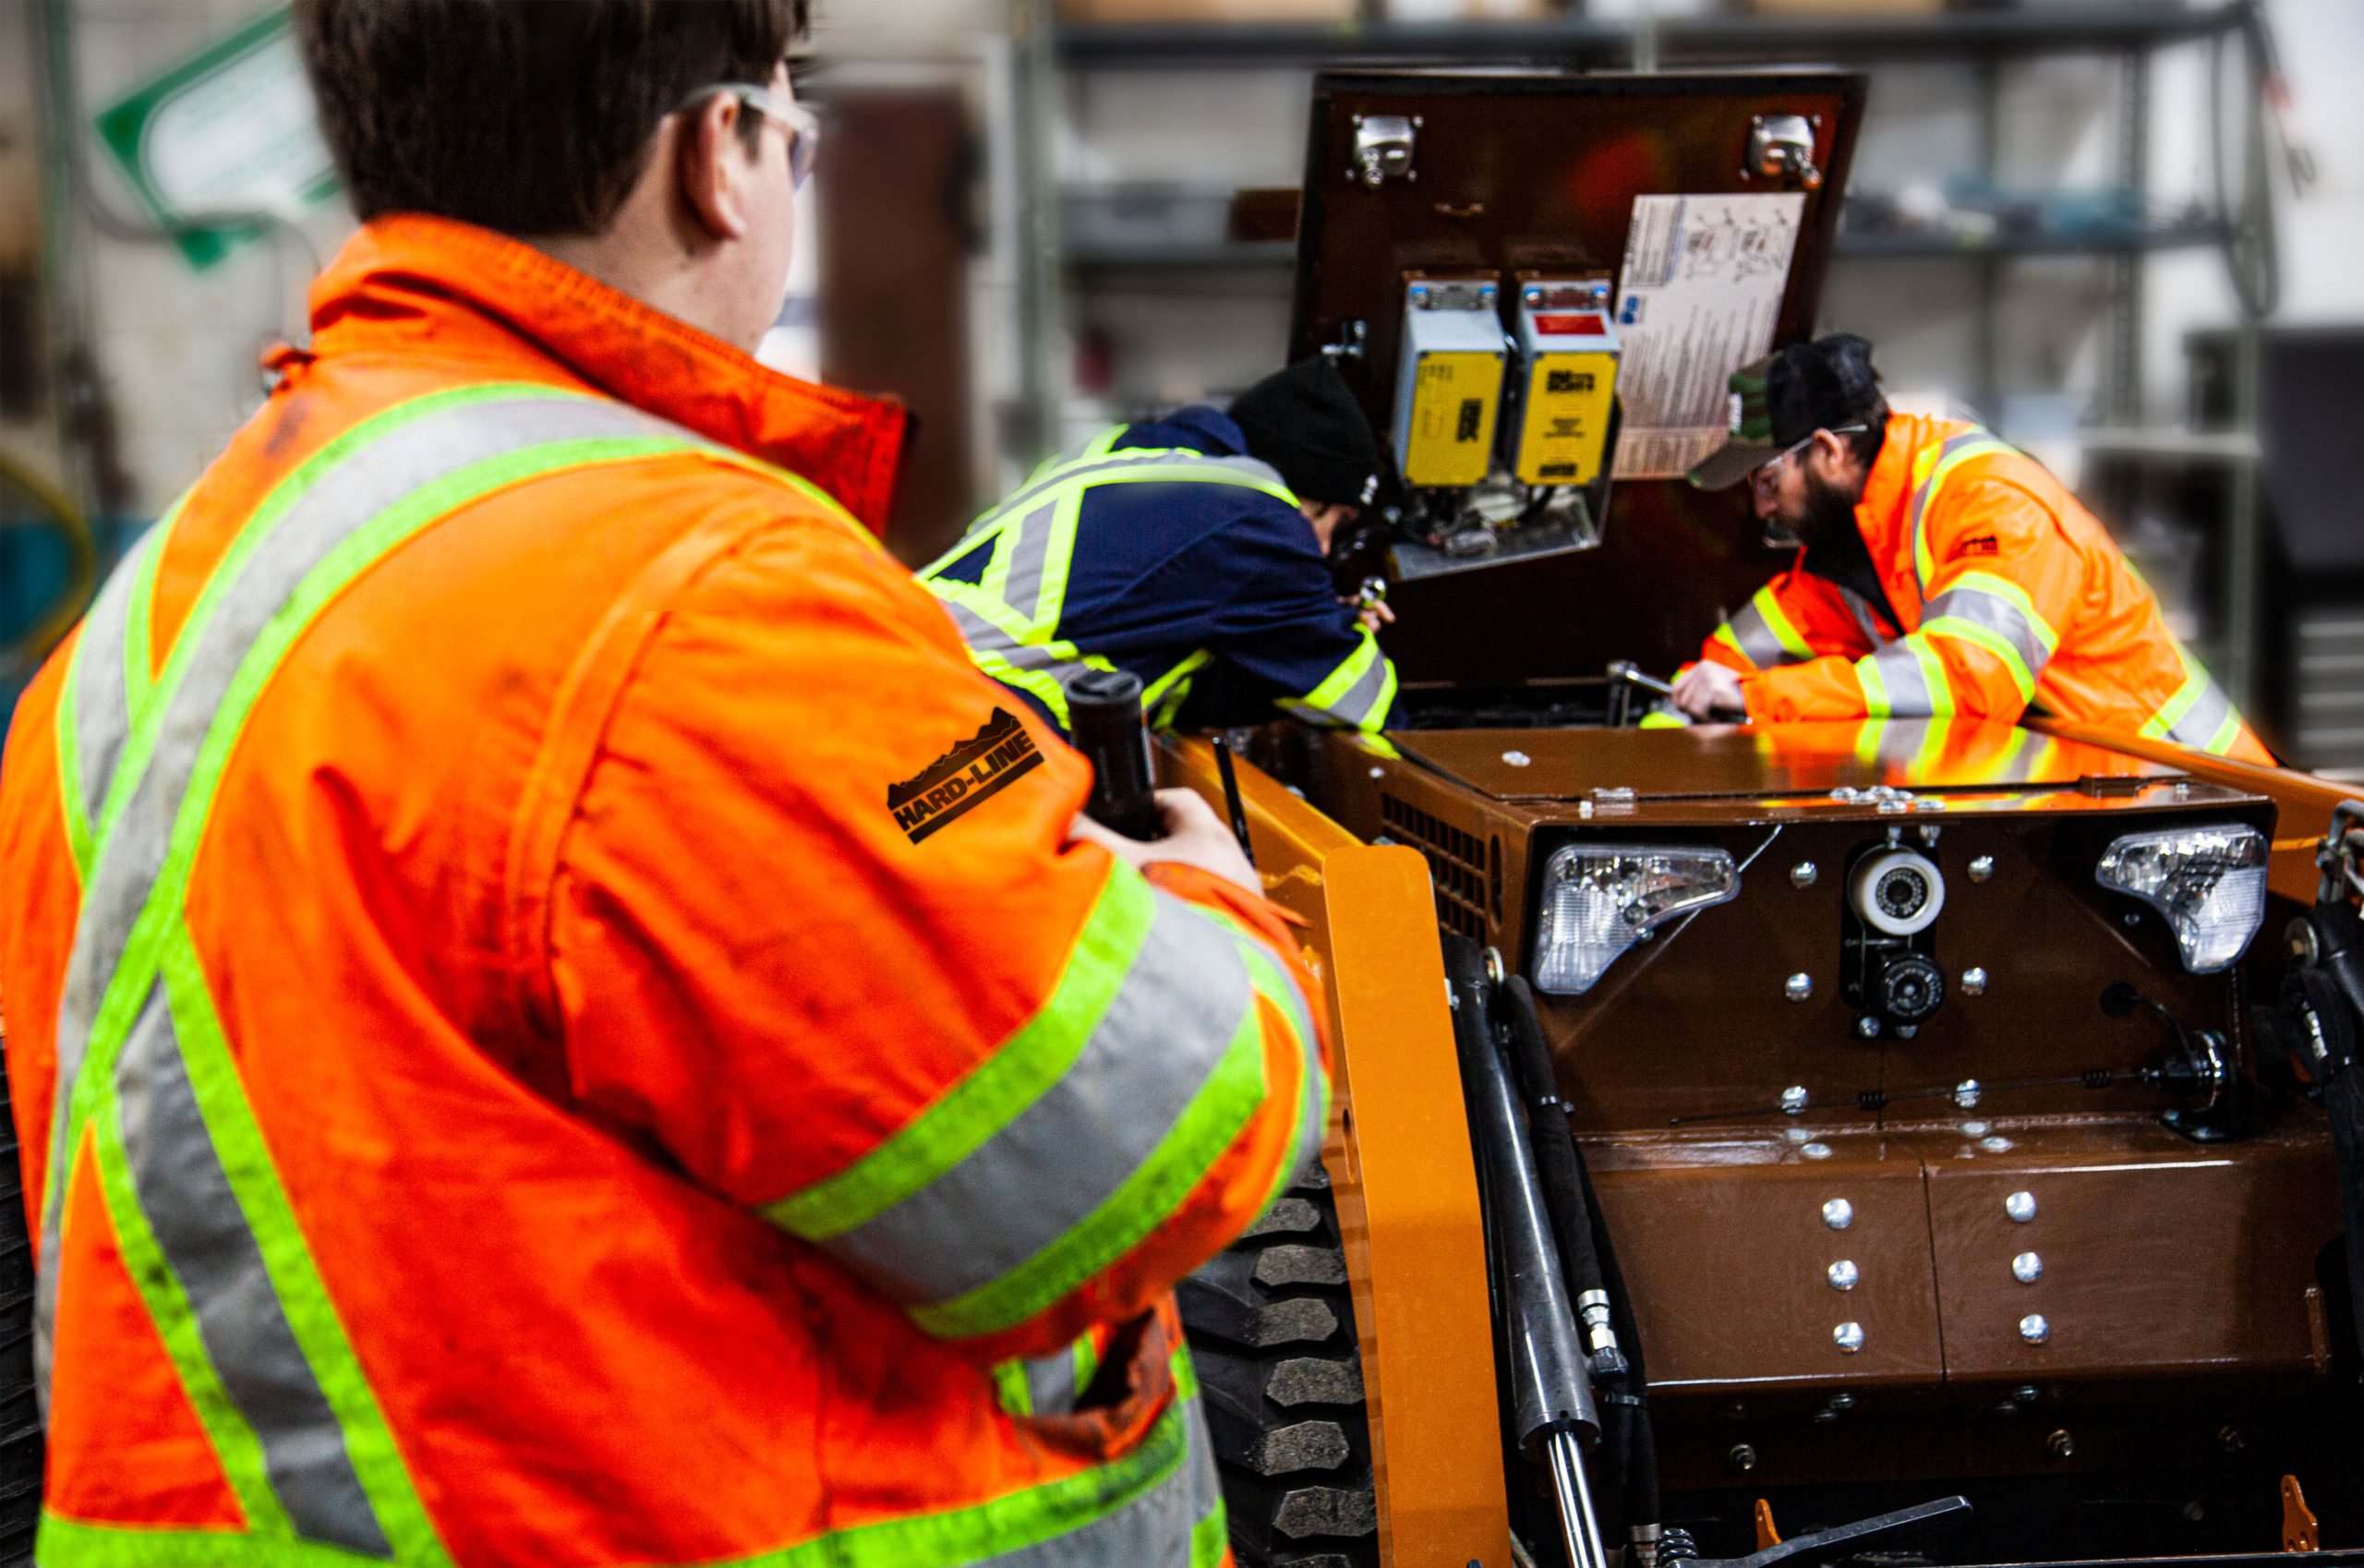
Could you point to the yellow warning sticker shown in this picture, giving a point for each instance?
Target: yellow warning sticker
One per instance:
(1455, 399)
(1566, 425)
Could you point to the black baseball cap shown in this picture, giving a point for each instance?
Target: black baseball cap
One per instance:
(1787, 396)
(1305, 422)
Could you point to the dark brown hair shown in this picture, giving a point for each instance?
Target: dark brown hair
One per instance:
(528, 116)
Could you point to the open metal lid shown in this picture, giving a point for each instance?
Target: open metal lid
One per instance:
(1707, 201)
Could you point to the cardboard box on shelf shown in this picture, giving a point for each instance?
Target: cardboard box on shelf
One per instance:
(1136, 11)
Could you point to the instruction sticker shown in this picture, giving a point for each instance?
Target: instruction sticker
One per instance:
(1697, 299)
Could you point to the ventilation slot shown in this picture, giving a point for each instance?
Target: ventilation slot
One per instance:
(1457, 865)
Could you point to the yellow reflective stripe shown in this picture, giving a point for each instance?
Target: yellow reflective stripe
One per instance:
(1986, 638)
(1930, 468)
(1867, 676)
(1172, 689)
(2171, 712)
(1724, 635)
(1932, 672)
(1778, 624)
(1009, 1388)
(1356, 693)
(2227, 734)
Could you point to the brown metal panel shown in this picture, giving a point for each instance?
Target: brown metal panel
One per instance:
(894, 289)
(1539, 171)
(1400, 1167)
(1726, 1254)
(2158, 1255)
(1757, 760)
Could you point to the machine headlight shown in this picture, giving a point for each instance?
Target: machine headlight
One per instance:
(2209, 882)
(1599, 898)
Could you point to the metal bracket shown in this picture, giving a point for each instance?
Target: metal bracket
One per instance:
(1780, 147)
(1383, 146)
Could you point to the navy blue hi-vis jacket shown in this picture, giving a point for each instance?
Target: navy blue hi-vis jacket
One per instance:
(1166, 549)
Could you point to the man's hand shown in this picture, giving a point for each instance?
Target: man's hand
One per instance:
(1375, 615)
(1194, 836)
(1710, 691)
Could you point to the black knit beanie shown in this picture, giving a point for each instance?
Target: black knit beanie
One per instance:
(1306, 423)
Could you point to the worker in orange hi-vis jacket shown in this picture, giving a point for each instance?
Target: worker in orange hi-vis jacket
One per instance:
(554, 1016)
(1942, 572)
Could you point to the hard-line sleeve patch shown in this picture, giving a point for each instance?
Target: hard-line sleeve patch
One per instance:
(967, 774)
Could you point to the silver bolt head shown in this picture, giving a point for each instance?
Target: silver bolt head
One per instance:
(1994, 1143)
(1378, 772)
(2027, 1393)
(1982, 867)
(1797, 987)
(1816, 1151)
(1841, 1401)
(1966, 1094)
(1973, 1129)
(1849, 1337)
(2034, 1329)
(1973, 982)
(2027, 1268)
(2021, 1206)
(2060, 1445)
(1793, 1098)
(1841, 1274)
(1839, 1213)
(1868, 1027)
(1803, 875)
(1742, 1458)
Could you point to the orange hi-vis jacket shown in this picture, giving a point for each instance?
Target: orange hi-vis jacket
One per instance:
(552, 1014)
(2013, 598)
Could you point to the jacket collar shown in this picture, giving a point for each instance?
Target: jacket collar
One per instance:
(412, 281)
(1884, 515)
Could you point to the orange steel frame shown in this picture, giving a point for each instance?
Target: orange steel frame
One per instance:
(1400, 1167)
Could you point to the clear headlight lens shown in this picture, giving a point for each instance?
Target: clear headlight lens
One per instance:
(1599, 898)
(2209, 882)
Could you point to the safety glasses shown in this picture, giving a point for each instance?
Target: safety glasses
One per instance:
(1766, 475)
(803, 126)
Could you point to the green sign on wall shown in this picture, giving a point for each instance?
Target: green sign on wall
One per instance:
(228, 133)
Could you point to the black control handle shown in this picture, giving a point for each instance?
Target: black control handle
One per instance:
(1104, 717)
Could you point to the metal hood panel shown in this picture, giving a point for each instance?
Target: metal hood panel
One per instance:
(1540, 173)
(1707, 761)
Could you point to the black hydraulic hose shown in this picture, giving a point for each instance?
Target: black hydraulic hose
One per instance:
(1563, 1191)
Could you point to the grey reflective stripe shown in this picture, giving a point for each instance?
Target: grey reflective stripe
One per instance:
(1363, 697)
(1156, 1530)
(2201, 721)
(983, 636)
(1908, 686)
(1030, 553)
(1861, 607)
(102, 710)
(1174, 1016)
(131, 852)
(1998, 615)
(1050, 1383)
(198, 1223)
(1754, 635)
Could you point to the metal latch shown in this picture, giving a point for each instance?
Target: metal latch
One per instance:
(1780, 147)
(1383, 146)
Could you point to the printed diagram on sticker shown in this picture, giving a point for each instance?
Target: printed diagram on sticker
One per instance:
(1698, 298)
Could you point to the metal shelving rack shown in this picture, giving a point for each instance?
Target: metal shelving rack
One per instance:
(2131, 31)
